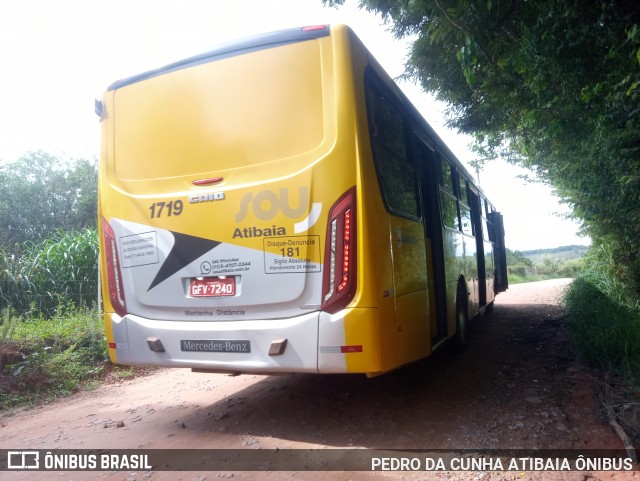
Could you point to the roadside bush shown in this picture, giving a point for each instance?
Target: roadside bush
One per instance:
(606, 333)
(42, 358)
(63, 269)
(570, 268)
(16, 286)
(604, 316)
(518, 269)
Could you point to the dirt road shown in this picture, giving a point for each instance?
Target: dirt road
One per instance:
(518, 385)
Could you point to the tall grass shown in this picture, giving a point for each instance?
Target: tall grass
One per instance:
(61, 270)
(604, 317)
(46, 357)
(51, 331)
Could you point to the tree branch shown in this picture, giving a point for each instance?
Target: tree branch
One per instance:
(464, 31)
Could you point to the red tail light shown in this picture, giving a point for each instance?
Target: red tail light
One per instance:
(312, 28)
(339, 281)
(114, 275)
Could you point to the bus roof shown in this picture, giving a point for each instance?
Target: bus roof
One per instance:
(237, 47)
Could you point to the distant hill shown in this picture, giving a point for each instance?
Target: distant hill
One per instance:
(563, 253)
(541, 264)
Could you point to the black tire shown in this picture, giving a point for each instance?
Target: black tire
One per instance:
(462, 318)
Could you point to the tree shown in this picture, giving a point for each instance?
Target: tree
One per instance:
(550, 84)
(40, 193)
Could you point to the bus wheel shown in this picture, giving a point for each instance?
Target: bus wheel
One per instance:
(462, 314)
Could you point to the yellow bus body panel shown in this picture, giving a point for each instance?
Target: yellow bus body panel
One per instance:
(248, 153)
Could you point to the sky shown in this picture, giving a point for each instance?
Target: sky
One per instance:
(56, 57)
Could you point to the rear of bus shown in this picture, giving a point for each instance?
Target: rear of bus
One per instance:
(228, 209)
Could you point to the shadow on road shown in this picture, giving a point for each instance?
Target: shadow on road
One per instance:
(517, 385)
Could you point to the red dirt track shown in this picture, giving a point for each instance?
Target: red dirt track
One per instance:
(518, 385)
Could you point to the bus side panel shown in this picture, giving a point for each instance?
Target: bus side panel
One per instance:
(375, 275)
(410, 288)
(363, 327)
(351, 341)
(490, 269)
(372, 321)
(104, 187)
(471, 274)
(454, 265)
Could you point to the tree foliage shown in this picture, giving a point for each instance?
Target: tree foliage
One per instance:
(551, 84)
(40, 194)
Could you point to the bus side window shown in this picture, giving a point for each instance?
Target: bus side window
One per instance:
(445, 176)
(490, 226)
(483, 214)
(465, 217)
(465, 211)
(396, 173)
(448, 202)
(462, 191)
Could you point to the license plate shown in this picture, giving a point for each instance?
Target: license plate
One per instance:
(212, 287)
(212, 345)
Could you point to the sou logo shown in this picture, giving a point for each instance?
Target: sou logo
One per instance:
(266, 204)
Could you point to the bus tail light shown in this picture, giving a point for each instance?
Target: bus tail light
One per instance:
(313, 28)
(339, 280)
(114, 275)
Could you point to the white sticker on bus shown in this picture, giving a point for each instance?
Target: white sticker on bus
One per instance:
(139, 249)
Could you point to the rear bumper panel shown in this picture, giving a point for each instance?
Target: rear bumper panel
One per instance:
(131, 333)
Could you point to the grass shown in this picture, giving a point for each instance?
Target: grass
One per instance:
(42, 359)
(604, 323)
(45, 358)
(62, 269)
(605, 330)
(516, 279)
(604, 316)
(51, 333)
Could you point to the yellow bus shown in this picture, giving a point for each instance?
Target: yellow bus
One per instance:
(278, 205)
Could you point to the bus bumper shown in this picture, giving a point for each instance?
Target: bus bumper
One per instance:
(225, 346)
(313, 343)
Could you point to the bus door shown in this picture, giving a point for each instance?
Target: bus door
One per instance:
(502, 282)
(476, 217)
(409, 265)
(434, 242)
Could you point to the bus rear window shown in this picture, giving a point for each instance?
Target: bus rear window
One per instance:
(226, 114)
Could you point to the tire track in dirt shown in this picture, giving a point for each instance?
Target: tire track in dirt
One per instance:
(518, 385)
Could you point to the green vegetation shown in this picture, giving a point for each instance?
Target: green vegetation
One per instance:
(553, 86)
(604, 317)
(604, 323)
(549, 84)
(60, 270)
(40, 194)
(51, 334)
(564, 253)
(542, 264)
(42, 358)
(607, 333)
